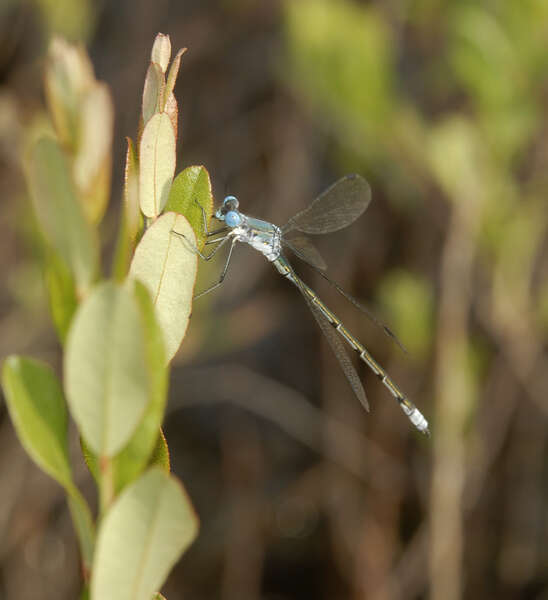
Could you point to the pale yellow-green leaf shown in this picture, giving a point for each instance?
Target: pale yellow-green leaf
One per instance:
(144, 444)
(172, 111)
(161, 51)
(137, 454)
(167, 265)
(107, 379)
(95, 199)
(173, 72)
(91, 166)
(153, 91)
(157, 164)
(68, 74)
(141, 537)
(59, 212)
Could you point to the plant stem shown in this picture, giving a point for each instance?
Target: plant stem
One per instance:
(106, 484)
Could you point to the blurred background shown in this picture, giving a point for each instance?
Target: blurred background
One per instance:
(443, 106)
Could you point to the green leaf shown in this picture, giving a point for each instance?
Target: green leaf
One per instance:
(90, 459)
(127, 465)
(59, 212)
(61, 291)
(131, 215)
(84, 526)
(160, 453)
(108, 378)
(191, 190)
(141, 537)
(37, 409)
(39, 415)
(167, 265)
(157, 164)
(131, 191)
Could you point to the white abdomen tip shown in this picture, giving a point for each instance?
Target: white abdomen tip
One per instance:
(416, 417)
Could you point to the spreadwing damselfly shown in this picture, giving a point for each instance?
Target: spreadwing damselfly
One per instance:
(336, 208)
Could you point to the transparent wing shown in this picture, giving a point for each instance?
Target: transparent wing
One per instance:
(305, 250)
(336, 208)
(336, 345)
(370, 315)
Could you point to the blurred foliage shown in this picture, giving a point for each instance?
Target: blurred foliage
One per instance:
(345, 59)
(82, 114)
(410, 307)
(497, 53)
(344, 55)
(342, 60)
(73, 19)
(447, 96)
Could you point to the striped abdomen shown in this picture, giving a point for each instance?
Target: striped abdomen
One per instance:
(412, 412)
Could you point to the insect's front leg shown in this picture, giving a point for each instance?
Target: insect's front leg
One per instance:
(204, 221)
(220, 241)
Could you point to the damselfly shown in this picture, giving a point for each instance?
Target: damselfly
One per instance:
(336, 208)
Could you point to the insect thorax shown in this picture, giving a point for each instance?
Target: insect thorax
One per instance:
(264, 237)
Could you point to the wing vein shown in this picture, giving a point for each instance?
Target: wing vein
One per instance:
(336, 344)
(336, 208)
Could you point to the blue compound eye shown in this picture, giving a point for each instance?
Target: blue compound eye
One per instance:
(233, 218)
(230, 203)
